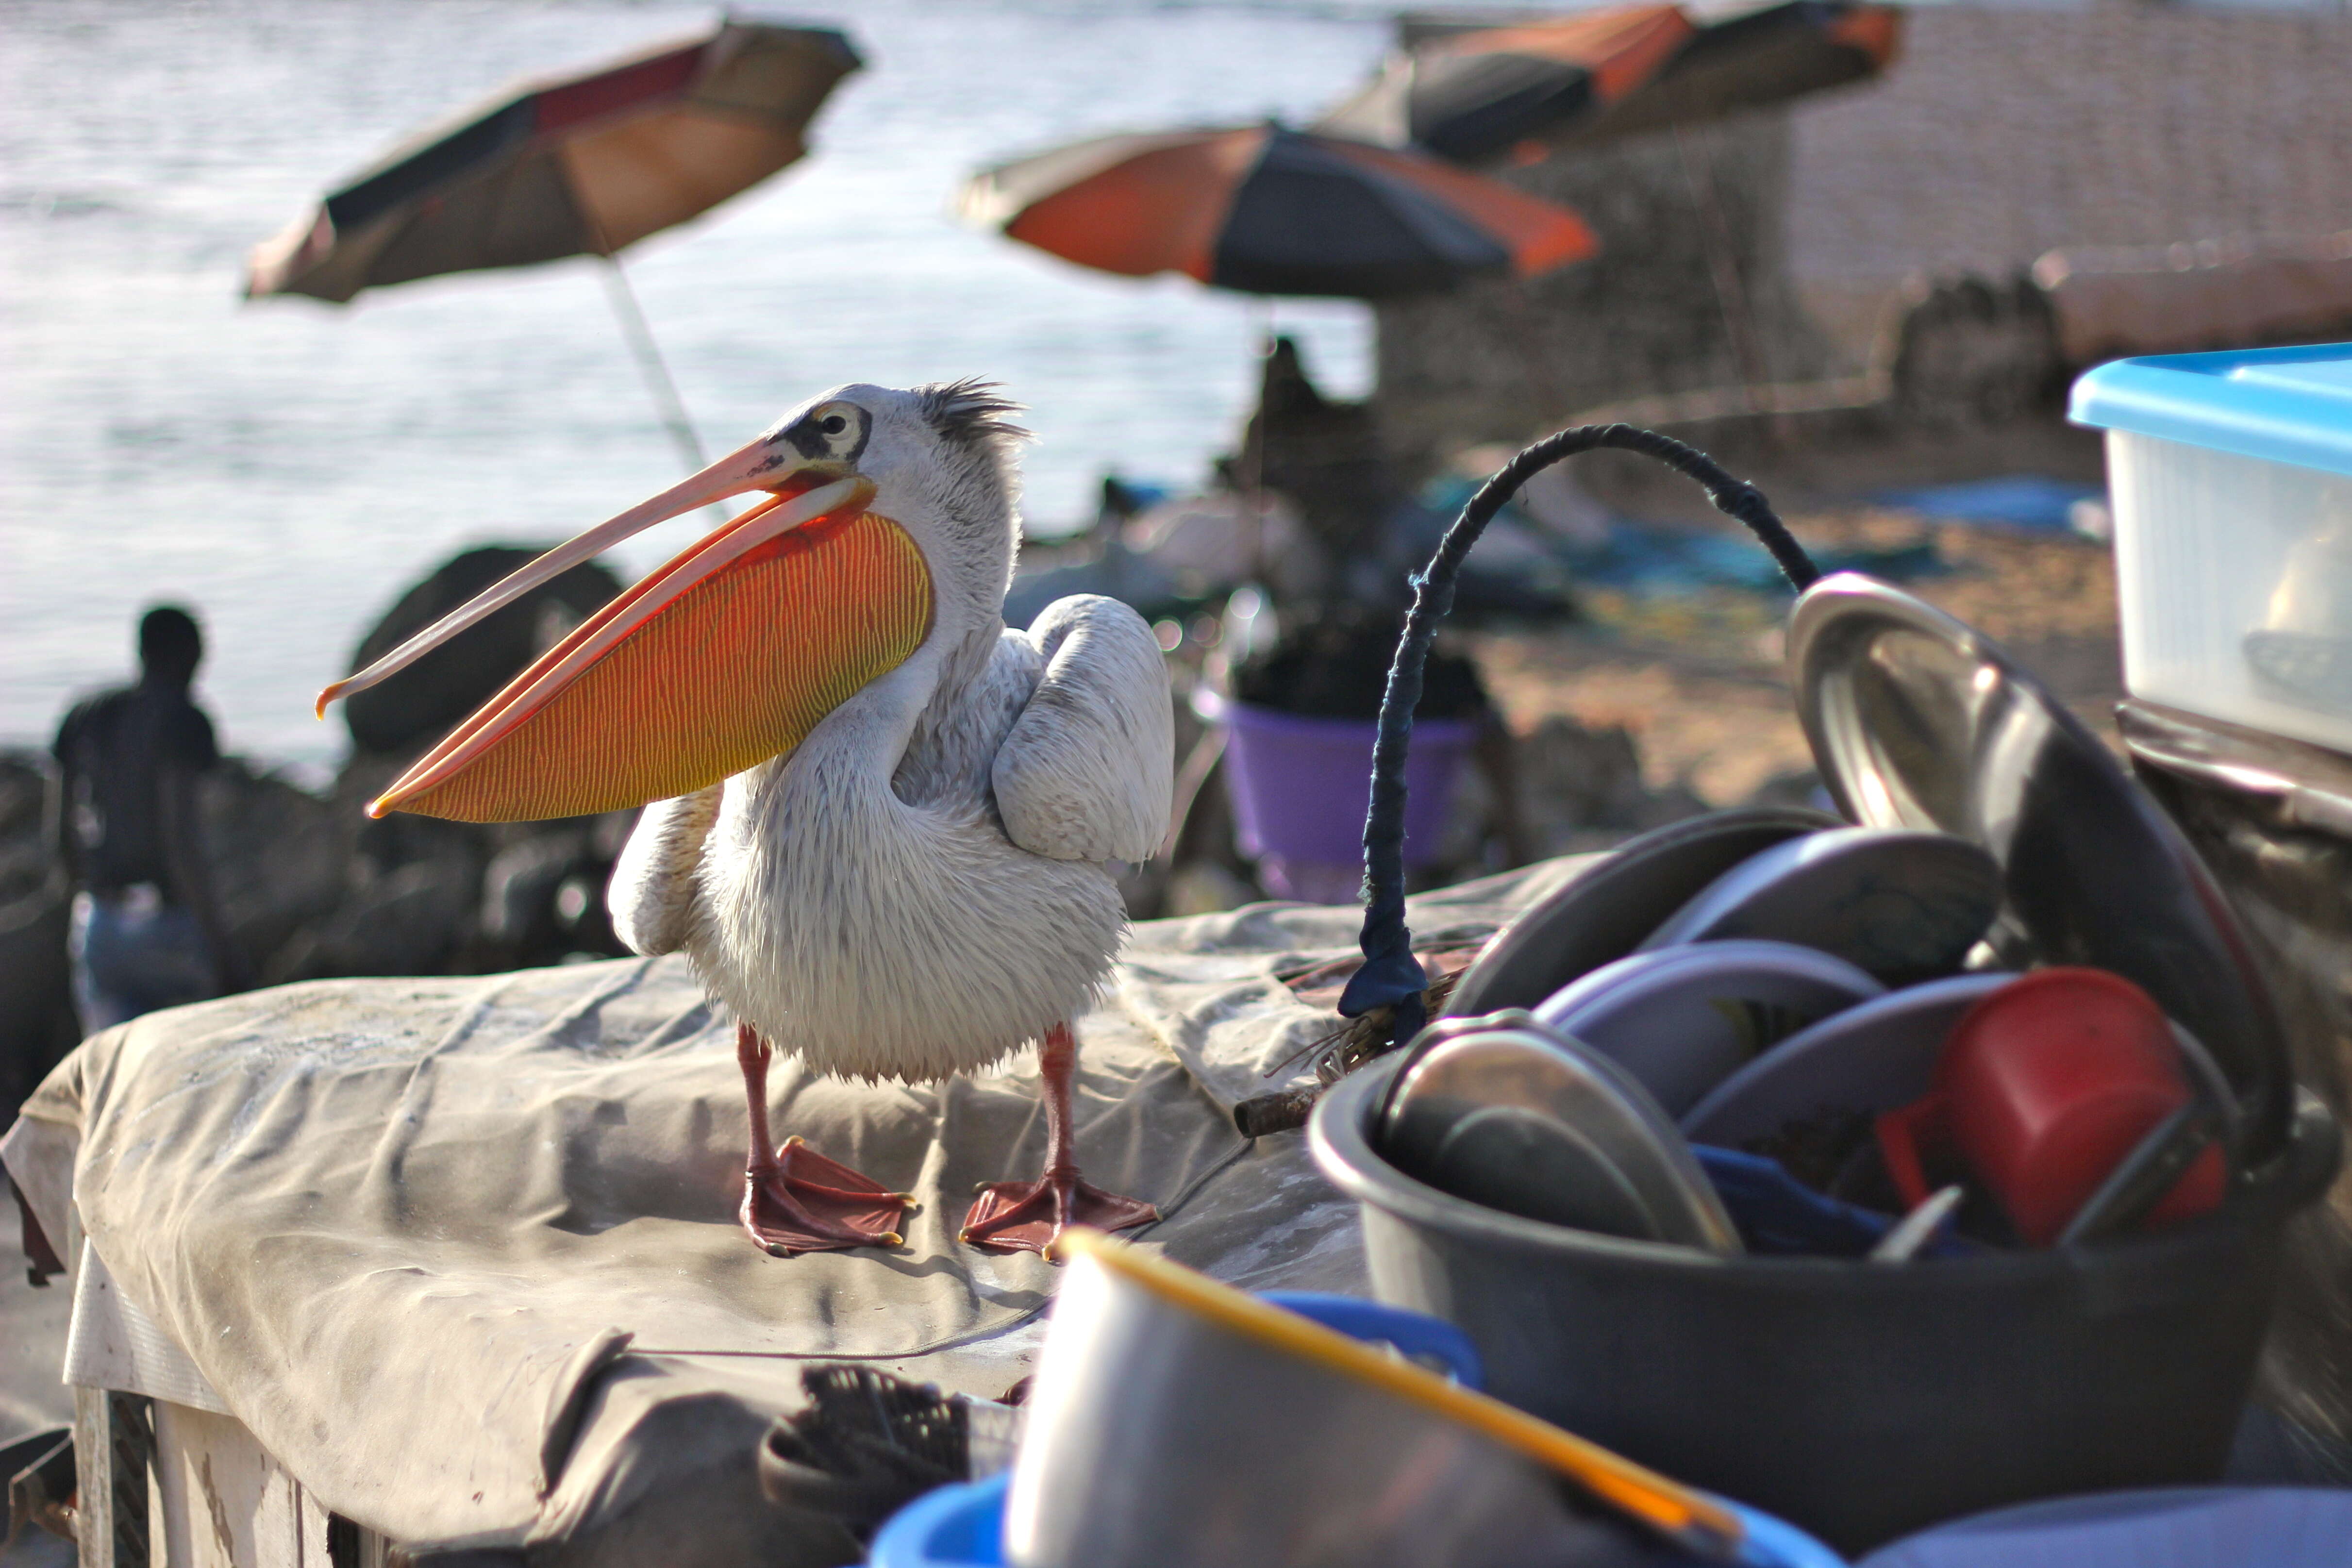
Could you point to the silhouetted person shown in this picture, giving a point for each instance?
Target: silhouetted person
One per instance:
(147, 929)
(1324, 453)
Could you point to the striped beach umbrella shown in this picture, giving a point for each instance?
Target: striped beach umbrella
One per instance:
(1265, 210)
(1748, 55)
(1472, 93)
(1477, 93)
(580, 164)
(584, 163)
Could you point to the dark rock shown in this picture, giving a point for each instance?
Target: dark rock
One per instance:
(280, 857)
(37, 1025)
(410, 921)
(424, 701)
(543, 896)
(1972, 350)
(311, 888)
(424, 896)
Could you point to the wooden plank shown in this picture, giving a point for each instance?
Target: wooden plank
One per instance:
(224, 1502)
(114, 1440)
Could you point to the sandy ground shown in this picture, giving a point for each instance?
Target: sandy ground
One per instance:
(32, 1340)
(32, 1350)
(1699, 679)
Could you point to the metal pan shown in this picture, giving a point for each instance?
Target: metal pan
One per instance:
(1683, 1019)
(1873, 1057)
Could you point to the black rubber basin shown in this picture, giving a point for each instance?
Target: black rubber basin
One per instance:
(1859, 1401)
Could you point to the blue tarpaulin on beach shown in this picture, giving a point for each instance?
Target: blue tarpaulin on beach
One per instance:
(2030, 501)
(1655, 558)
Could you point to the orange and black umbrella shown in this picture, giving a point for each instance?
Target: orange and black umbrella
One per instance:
(582, 164)
(1265, 210)
(1475, 93)
(1751, 54)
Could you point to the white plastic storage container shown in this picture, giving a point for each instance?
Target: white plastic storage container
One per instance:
(2230, 475)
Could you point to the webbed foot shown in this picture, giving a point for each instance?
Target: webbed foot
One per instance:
(798, 1201)
(1030, 1216)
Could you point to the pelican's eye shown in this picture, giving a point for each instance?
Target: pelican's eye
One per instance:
(832, 431)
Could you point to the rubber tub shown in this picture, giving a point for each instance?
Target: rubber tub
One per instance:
(1298, 785)
(1858, 1401)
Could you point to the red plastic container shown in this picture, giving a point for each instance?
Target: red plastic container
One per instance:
(2042, 1088)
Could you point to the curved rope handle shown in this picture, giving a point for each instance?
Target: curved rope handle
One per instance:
(1392, 976)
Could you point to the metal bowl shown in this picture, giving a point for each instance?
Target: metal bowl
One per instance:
(1503, 1112)
(1178, 1423)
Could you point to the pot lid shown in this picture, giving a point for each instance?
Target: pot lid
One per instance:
(1606, 912)
(1905, 906)
(1917, 721)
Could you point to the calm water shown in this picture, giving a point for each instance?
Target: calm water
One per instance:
(288, 467)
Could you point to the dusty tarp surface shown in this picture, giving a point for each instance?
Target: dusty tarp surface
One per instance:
(461, 1252)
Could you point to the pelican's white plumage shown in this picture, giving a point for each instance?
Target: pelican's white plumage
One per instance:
(927, 881)
(923, 876)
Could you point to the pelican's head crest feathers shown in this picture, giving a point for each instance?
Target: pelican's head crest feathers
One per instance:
(971, 412)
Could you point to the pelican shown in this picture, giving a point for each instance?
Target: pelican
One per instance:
(883, 826)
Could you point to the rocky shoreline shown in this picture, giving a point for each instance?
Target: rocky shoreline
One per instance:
(312, 890)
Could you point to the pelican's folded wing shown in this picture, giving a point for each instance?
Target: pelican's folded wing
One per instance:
(651, 895)
(1086, 772)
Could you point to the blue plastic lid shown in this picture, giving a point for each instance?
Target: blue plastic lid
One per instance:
(2283, 406)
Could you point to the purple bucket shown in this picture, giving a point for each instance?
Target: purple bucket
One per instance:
(1300, 787)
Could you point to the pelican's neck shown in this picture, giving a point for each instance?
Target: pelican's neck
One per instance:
(845, 765)
(968, 535)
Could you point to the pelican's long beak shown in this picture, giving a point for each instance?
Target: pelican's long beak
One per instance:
(726, 655)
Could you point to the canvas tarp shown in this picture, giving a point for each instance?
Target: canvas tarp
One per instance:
(461, 1252)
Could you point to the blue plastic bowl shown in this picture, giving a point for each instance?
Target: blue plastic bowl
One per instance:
(948, 1528)
(962, 1526)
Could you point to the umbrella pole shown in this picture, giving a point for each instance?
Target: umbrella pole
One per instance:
(666, 402)
(1723, 265)
(1261, 318)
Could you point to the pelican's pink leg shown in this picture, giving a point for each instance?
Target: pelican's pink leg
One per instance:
(796, 1200)
(1031, 1216)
